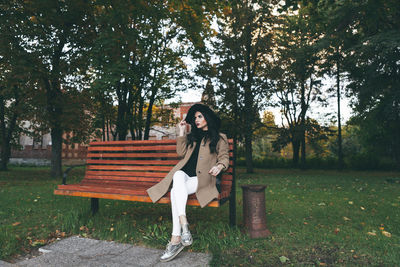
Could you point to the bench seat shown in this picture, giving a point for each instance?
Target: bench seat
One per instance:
(124, 170)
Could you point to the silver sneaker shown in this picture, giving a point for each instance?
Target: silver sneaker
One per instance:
(186, 237)
(171, 251)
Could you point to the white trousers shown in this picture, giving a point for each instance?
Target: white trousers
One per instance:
(182, 186)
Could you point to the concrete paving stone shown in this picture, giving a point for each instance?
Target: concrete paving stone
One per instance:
(140, 256)
(72, 244)
(59, 259)
(77, 251)
(104, 250)
(4, 264)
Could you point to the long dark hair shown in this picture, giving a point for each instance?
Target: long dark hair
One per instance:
(212, 133)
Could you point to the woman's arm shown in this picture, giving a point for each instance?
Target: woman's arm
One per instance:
(223, 153)
(181, 145)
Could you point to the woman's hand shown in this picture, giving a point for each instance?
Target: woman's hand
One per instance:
(216, 170)
(182, 127)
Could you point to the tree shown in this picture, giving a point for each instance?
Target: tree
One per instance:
(337, 39)
(57, 35)
(296, 76)
(138, 55)
(15, 83)
(374, 68)
(242, 45)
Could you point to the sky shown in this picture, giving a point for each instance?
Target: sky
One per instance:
(316, 112)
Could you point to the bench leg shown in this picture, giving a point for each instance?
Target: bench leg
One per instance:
(232, 209)
(95, 205)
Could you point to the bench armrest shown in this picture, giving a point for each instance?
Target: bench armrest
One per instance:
(64, 180)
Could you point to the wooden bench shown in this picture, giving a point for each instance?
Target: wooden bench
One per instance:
(123, 170)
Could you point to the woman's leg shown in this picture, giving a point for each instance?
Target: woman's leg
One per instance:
(183, 185)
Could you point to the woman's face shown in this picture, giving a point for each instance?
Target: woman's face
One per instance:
(200, 121)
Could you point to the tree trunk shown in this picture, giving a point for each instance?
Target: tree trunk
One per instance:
(249, 153)
(122, 129)
(302, 127)
(140, 119)
(5, 156)
(149, 115)
(4, 143)
(340, 153)
(103, 125)
(296, 150)
(248, 131)
(6, 134)
(56, 152)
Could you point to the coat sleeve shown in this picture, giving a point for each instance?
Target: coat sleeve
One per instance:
(181, 145)
(223, 152)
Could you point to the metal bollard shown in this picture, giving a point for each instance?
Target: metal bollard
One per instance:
(254, 216)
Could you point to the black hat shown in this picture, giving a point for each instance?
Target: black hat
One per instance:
(206, 111)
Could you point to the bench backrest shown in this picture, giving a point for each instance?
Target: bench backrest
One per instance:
(138, 162)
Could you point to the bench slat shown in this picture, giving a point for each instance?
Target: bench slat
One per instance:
(132, 174)
(136, 155)
(132, 155)
(132, 162)
(129, 168)
(165, 200)
(226, 178)
(132, 148)
(130, 142)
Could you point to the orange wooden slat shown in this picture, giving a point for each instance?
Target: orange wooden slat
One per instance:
(132, 162)
(122, 173)
(129, 142)
(132, 148)
(129, 168)
(192, 202)
(132, 155)
(128, 185)
(123, 178)
(137, 190)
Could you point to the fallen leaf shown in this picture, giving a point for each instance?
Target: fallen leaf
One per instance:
(111, 229)
(387, 234)
(322, 264)
(16, 223)
(346, 219)
(283, 259)
(351, 202)
(322, 204)
(362, 208)
(337, 230)
(371, 233)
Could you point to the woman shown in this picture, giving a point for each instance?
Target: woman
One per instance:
(205, 154)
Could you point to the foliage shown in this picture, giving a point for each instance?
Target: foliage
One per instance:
(15, 83)
(241, 46)
(296, 75)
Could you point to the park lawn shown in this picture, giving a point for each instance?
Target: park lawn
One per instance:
(317, 218)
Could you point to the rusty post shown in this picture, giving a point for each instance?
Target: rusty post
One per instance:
(254, 215)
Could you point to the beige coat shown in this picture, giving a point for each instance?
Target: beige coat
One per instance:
(206, 189)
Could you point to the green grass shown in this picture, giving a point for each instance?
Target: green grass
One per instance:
(317, 218)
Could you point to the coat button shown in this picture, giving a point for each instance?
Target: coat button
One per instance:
(198, 171)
